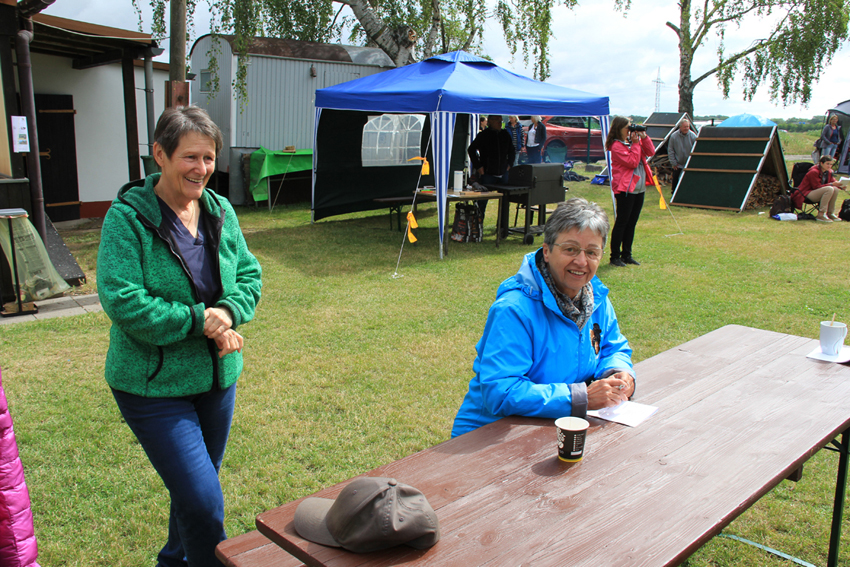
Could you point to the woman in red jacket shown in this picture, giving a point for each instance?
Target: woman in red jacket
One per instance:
(820, 187)
(629, 176)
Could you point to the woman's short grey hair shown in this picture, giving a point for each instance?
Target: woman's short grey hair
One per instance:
(576, 213)
(536, 118)
(176, 122)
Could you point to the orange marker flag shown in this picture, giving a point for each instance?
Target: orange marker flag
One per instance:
(411, 224)
(426, 167)
(661, 204)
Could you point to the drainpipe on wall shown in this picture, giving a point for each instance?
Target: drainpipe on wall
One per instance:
(150, 53)
(149, 100)
(22, 50)
(26, 10)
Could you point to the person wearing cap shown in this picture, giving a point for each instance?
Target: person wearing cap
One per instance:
(551, 345)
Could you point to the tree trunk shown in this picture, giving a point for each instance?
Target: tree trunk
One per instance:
(378, 32)
(686, 89)
(436, 27)
(177, 47)
(686, 58)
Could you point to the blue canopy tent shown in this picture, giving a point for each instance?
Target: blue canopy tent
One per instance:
(441, 88)
(746, 121)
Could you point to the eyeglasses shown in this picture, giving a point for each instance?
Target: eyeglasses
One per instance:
(572, 251)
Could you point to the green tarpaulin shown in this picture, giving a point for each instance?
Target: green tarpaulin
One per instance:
(266, 163)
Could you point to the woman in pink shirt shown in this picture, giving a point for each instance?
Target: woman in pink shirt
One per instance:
(630, 174)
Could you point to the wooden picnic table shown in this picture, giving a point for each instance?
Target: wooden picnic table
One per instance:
(740, 409)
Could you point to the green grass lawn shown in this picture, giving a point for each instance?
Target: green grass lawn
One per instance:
(798, 143)
(348, 368)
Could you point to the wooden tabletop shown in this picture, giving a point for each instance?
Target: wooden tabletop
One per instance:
(739, 410)
(460, 195)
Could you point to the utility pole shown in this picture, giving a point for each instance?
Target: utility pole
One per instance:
(658, 82)
(177, 89)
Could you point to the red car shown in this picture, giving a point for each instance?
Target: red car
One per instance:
(567, 139)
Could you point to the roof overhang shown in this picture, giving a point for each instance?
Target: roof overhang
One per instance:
(88, 45)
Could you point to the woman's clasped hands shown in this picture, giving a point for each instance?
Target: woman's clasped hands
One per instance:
(217, 326)
(611, 391)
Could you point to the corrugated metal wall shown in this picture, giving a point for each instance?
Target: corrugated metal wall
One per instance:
(280, 109)
(219, 106)
(281, 92)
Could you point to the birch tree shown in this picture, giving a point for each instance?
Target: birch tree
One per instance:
(791, 42)
(407, 31)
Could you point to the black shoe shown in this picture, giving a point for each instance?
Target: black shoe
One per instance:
(630, 260)
(618, 262)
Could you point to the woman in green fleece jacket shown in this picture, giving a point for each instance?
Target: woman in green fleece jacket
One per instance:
(176, 278)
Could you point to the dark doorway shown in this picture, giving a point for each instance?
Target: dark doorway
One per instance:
(58, 150)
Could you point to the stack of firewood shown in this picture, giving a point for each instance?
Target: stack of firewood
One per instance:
(663, 172)
(764, 193)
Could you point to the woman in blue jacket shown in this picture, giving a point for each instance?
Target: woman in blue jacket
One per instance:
(551, 345)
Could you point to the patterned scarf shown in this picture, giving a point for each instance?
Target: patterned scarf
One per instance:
(577, 310)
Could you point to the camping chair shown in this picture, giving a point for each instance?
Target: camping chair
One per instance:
(798, 172)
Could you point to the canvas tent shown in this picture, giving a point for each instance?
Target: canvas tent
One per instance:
(440, 88)
(725, 165)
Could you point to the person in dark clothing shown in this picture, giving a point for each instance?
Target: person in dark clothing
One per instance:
(492, 154)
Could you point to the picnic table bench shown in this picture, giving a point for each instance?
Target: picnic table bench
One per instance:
(253, 549)
(740, 409)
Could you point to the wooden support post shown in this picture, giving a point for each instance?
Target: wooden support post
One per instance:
(130, 118)
(176, 93)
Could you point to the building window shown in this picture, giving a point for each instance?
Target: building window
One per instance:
(392, 139)
(206, 81)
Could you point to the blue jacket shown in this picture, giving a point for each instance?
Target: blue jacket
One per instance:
(516, 135)
(534, 361)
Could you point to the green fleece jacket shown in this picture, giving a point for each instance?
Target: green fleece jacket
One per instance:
(157, 346)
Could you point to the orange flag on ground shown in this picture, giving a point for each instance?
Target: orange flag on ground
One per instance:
(411, 224)
(661, 204)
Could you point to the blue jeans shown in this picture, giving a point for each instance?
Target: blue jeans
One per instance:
(185, 438)
(829, 150)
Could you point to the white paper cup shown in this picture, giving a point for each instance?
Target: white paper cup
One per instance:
(572, 433)
(458, 181)
(832, 336)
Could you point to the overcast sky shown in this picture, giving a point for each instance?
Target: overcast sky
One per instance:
(596, 50)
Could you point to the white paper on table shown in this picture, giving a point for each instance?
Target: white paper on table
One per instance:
(627, 413)
(842, 356)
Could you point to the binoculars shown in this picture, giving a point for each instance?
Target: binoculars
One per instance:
(637, 128)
